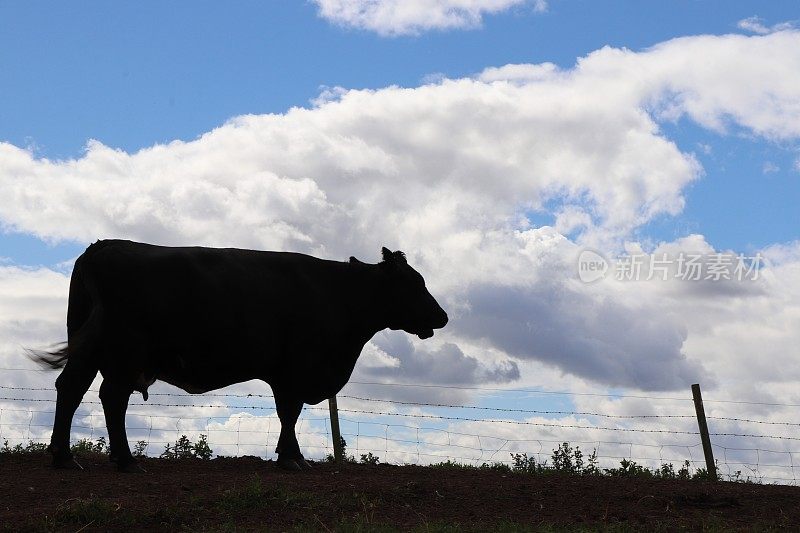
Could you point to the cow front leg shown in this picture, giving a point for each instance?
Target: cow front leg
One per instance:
(71, 385)
(288, 449)
(114, 397)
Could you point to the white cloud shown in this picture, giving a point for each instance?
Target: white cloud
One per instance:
(755, 24)
(33, 313)
(744, 82)
(520, 73)
(445, 364)
(705, 148)
(449, 173)
(32, 305)
(404, 17)
(769, 168)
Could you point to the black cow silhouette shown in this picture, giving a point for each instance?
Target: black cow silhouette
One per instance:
(205, 318)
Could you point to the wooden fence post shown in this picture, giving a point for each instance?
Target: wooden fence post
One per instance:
(335, 434)
(711, 467)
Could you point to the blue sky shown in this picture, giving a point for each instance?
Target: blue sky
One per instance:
(135, 74)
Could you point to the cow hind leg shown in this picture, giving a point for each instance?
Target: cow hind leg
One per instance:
(71, 385)
(288, 449)
(115, 396)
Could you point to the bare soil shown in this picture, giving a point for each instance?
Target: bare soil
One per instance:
(247, 493)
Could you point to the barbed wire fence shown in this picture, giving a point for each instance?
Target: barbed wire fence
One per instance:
(410, 432)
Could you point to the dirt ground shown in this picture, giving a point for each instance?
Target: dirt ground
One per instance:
(250, 494)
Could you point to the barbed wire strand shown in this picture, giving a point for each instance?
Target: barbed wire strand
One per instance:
(419, 404)
(505, 390)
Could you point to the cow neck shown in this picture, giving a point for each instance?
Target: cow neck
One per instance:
(365, 296)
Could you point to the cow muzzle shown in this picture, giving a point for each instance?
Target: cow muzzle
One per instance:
(425, 333)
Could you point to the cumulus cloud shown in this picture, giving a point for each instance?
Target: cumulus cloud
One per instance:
(451, 173)
(32, 307)
(616, 344)
(759, 326)
(404, 17)
(32, 314)
(755, 24)
(769, 168)
(446, 364)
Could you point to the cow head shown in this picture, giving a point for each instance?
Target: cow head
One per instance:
(410, 306)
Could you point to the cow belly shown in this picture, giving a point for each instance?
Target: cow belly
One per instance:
(191, 388)
(143, 382)
(324, 384)
(198, 381)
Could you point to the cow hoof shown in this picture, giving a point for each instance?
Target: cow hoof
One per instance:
(133, 468)
(66, 463)
(304, 465)
(284, 463)
(63, 458)
(130, 467)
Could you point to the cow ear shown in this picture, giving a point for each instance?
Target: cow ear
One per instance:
(387, 254)
(354, 261)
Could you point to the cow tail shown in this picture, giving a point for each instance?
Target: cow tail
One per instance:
(53, 359)
(83, 321)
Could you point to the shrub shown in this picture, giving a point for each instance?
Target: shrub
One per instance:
(527, 465)
(347, 458)
(186, 449)
(496, 466)
(629, 469)
(139, 448)
(201, 449)
(451, 464)
(31, 447)
(369, 459)
(87, 446)
(570, 460)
